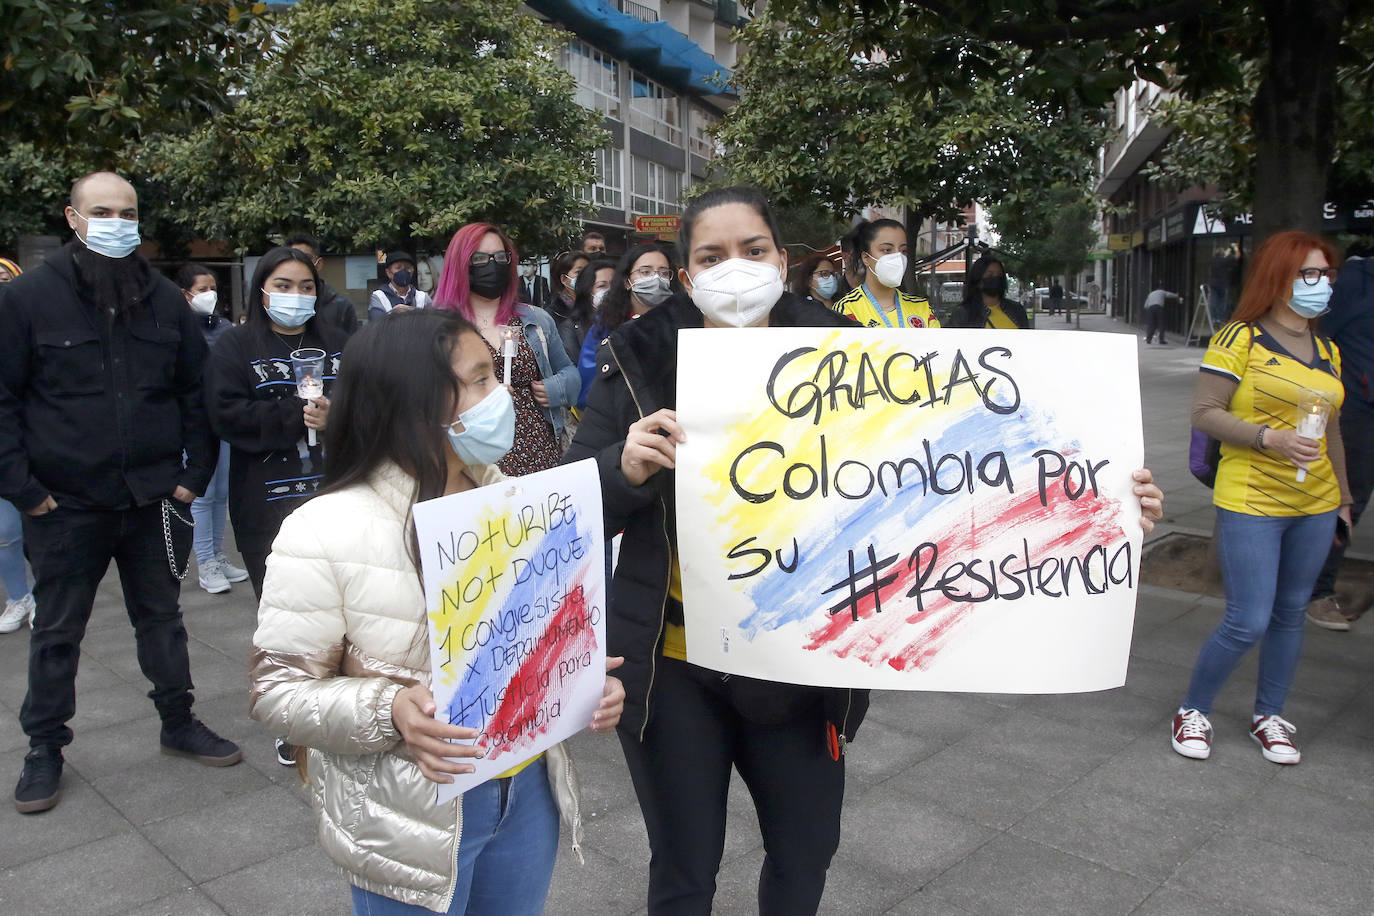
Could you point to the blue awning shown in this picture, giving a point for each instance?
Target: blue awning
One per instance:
(656, 48)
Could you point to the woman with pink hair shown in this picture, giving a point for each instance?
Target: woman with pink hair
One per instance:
(479, 283)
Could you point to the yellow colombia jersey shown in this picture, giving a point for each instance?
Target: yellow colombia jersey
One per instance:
(859, 305)
(1268, 382)
(999, 319)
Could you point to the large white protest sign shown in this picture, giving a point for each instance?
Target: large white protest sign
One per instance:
(515, 590)
(910, 509)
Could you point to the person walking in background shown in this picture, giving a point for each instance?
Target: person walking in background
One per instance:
(103, 445)
(1154, 314)
(479, 283)
(1350, 324)
(878, 301)
(400, 291)
(13, 571)
(985, 303)
(332, 306)
(817, 279)
(1273, 527)
(8, 270)
(210, 511)
(593, 242)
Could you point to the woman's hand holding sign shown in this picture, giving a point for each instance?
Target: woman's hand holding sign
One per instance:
(651, 444)
(412, 711)
(1151, 498)
(612, 704)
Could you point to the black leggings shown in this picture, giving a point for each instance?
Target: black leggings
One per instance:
(681, 774)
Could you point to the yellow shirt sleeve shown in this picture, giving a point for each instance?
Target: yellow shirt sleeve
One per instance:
(1229, 351)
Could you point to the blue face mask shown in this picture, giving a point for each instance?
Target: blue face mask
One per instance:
(111, 236)
(289, 310)
(826, 286)
(488, 429)
(1311, 301)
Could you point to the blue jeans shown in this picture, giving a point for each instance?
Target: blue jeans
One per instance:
(1268, 565)
(12, 571)
(212, 510)
(505, 857)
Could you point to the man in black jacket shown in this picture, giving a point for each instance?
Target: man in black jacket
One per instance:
(103, 445)
(330, 304)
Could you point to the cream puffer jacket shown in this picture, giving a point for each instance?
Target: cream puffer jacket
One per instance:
(340, 631)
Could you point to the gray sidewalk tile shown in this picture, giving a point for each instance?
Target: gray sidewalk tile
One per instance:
(941, 718)
(923, 903)
(1049, 746)
(1341, 765)
(98, 752)
(604, 885)
(1248, 872)
(1325, 826)
(107, 876)
(985, 788)
(1148, 770)
(1014, 876)
(1170, 901)
(887, 751)
(116, 704)
(1164, 681)
(298, 883)
(1139, 838)
(189, 902)
(235, 833)
(164, 786)
(82, 816)
(907, 840)
(1107, 711)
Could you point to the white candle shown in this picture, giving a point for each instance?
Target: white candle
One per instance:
(507, 352)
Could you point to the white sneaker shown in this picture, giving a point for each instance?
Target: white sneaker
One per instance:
(231, 572)
(212, 577)
(1192, 734)
(16, 612)
(32, 605)
(1275, 737)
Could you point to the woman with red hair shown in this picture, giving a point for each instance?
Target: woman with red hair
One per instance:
(1278, 493)
(479, 283)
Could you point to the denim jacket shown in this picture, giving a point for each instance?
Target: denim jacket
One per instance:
(559, 372)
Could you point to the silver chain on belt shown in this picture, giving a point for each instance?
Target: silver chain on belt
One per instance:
(167, 538)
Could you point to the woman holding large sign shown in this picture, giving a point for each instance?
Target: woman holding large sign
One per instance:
(685, 727)
(1268, 389)
(341, 656)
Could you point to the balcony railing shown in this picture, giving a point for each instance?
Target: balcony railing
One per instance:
(639, 11)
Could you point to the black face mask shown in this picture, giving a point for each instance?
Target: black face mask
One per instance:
(490, 280)
(993, 285)
(402, 278)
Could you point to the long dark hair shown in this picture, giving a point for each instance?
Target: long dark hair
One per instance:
(396, 389)
(617, 308)
(266, 264)
(801, 282)
(582, 290)
(562, 264)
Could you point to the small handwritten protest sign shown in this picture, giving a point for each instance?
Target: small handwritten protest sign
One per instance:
(910, 509)
(515, 589)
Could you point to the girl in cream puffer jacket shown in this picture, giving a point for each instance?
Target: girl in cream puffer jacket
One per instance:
(341, 632)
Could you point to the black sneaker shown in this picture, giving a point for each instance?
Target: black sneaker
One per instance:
(194, 740)
(40, 783)
(286, 753)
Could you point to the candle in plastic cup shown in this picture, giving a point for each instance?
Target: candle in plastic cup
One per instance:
(1314, 409)
(507, 352)
(308, 364)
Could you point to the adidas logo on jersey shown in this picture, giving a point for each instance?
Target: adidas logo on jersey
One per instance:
(1273, 361)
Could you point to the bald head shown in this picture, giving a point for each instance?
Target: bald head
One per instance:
(102, 185)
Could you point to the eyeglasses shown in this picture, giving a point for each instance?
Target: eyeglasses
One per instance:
(482, 257)
(823, 274)
(644, 273)
(1313, 275)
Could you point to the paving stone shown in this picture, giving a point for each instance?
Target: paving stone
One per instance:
(1038, 743)
(1248, 873)
(1158, 680)
(1124, 834)
(81, 816)
(904, 839)
(881, 751)
(1170, 901)
(1011, 875)
(603, 885)
(1112, 711)
(988, 789)
(302, 882)
(1325, 826)
(107, 876)
(164, 786)
(235, 833)
(941, 718)
(98, 752)
(189, 902)
(1340, 765)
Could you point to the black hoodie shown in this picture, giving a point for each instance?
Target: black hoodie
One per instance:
(637, 375)
(1350, 323)
(98, 411)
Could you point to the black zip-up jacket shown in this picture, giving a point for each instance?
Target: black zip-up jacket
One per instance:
(336, 309)
(250, 395)
(636, 376)
(97, 412)
(975, 314)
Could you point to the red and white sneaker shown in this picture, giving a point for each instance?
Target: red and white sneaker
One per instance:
(1275, 737)
(1192, 734)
